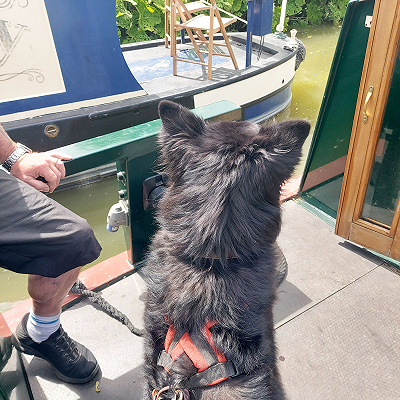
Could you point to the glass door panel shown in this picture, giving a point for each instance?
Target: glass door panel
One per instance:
(383, 188)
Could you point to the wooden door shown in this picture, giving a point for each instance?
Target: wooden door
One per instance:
(369, 209)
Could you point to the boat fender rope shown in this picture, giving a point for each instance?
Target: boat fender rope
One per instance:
(300, 54)
(81, 289)
(300, 50)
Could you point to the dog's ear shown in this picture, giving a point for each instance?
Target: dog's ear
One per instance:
(177, 119)
(283, 143)
(289, 135)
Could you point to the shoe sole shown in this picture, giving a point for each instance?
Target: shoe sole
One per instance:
(28, 350)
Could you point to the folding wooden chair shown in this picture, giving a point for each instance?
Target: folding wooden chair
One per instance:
(210, 24)
(192, 7)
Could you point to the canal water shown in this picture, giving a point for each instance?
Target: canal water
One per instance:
(93, 201)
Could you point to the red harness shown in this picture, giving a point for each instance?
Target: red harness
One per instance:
(211, 364)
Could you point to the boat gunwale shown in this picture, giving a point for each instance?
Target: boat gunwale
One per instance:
(128, 105)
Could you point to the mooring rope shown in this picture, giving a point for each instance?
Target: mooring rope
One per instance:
(80, 288)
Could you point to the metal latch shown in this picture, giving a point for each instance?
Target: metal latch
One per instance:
(367, 98)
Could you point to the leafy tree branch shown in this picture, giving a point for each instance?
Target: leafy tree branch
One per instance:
(140, 20)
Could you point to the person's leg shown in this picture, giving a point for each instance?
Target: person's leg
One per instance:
(47, 296)
(49, 293)
(40, 332)
(43, 239)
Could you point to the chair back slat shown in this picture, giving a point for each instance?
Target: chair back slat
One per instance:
(195, 25)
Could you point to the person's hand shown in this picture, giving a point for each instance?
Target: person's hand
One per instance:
(49, 166)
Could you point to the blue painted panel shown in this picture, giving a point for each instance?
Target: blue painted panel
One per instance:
(259, 22)
(91, 60)
(262, 18)
(270, 105)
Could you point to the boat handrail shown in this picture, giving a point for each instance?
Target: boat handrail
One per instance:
(133, 142)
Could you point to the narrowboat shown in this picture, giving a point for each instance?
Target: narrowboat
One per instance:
(65, 78)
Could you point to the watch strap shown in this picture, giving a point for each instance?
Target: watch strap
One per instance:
(15, 155)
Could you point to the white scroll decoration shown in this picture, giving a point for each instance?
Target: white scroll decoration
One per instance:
(29, 65)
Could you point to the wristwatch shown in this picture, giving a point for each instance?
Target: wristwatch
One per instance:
(15, 155)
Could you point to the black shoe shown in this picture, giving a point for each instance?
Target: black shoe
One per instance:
(5, 351)
(72, 362)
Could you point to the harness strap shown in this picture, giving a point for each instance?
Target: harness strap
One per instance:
(213, 375)
(165, 360)
(212, 366)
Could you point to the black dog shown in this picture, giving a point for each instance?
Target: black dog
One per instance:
(211, 266)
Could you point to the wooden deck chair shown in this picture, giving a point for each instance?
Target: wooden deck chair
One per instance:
(210, 24)
(192, 7)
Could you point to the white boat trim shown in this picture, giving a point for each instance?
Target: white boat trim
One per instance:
(252, 88)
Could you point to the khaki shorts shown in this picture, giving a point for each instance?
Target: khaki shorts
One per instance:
(38, 235)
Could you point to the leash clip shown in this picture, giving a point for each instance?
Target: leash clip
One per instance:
(156, 394)
(179, 394)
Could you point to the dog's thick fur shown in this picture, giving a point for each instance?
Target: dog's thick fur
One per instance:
(221, 202)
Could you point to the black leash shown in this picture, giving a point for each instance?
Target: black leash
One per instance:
(80, 288)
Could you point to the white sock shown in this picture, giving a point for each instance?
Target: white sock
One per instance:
(40, 328)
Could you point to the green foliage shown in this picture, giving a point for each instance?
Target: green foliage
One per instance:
(294, 7)
(337, 10)
(300, 13)
(139, 20)
(314, 12)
